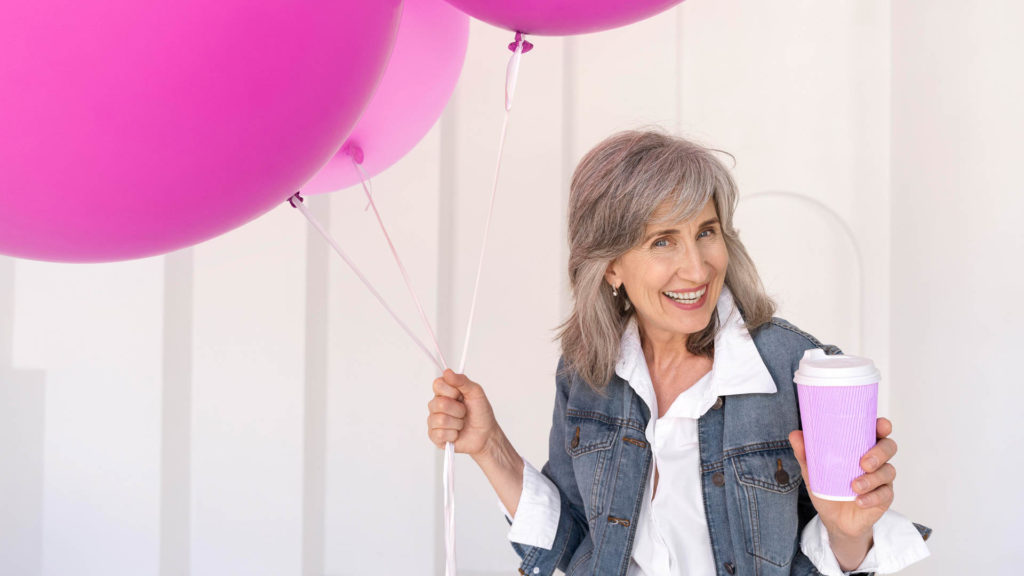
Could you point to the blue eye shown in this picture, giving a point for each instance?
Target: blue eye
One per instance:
(705, 233)
(660, 243)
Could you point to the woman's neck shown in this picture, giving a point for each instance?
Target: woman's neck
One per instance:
(672, 367)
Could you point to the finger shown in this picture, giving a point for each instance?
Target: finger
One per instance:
(881, 497)
(883, 427)
(868, 482)
(440, 436)
(444, 421)
(883, 451)
(796, 440)
(448, 406)
(442, 388)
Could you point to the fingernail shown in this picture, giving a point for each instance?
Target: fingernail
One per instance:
(862, 502)
(859, 485)
(871, 462)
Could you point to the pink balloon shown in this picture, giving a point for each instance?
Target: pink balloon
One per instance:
(417, 83)
(561, 17)
(129, 128)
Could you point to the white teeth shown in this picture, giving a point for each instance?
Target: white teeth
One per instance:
(687, 297)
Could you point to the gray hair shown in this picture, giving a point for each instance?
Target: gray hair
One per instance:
(615, 190)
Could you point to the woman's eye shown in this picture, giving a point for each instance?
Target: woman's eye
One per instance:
(660, 243)
(705, 233)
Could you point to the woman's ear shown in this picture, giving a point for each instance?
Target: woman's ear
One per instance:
(611, 274)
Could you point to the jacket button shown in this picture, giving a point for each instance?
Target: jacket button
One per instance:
(718, 403)
(718, 479)
(781, 476)
(730, 568)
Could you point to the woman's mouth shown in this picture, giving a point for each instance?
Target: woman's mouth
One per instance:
(688, 300)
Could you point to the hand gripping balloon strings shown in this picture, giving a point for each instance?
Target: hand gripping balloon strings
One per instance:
(519, 47)
(297, 202)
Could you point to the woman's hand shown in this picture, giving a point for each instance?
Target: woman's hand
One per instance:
(850, 524)
(460, 413)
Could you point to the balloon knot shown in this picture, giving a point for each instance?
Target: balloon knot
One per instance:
(353, 151)
(527, 45)
(296, 199)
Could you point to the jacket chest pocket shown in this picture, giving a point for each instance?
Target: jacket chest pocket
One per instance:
(767, 494)
(590, 440)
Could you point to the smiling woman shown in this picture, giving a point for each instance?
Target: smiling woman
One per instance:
(652, 214)
(675, 445)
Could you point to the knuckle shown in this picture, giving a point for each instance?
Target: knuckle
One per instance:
(888, 495)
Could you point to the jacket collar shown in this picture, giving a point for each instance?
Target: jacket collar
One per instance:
(737, 369)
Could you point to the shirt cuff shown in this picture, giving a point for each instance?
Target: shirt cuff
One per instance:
(897, 544)
(540, 505)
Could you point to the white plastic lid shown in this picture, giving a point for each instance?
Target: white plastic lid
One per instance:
(820, 369)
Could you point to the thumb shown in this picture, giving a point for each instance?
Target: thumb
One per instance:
(457, 380)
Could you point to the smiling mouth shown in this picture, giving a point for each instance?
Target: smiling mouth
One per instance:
(689, 297)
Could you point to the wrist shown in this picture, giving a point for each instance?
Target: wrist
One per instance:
(850, 549)
(496, 451)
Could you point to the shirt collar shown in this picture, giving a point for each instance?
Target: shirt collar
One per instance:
(737, 369)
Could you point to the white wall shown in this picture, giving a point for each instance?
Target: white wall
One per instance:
(245, 406)
(957, 276)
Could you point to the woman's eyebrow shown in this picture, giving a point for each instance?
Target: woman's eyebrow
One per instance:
(668, 232)
(671, 231)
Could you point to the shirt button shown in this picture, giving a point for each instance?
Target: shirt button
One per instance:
(718, 403)
(730, 568)
(718, 479)
(536, 570)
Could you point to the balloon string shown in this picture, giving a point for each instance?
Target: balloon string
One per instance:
(367, 183)
(511, 77)
(401, 267)
(297, 202)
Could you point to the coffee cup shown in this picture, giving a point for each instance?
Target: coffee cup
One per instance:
(838, 398)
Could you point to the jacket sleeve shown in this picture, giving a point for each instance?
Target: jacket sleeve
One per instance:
(572, 526)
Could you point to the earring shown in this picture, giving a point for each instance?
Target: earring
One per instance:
(615, 291)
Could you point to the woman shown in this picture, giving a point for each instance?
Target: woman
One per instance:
(675, 447)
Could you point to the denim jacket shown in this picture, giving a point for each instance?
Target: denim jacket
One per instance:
(600, 462)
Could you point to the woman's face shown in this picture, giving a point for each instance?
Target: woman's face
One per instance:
(674, 277)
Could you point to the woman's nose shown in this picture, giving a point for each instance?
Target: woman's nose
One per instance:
(691, 264)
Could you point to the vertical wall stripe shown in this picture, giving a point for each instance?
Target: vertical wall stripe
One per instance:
(315, 408)
(314, 478)
(22, 409)
(176, 410)
(679, 71)
(569, 51)
(445, 323)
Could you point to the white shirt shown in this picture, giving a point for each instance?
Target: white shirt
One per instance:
(682, 546)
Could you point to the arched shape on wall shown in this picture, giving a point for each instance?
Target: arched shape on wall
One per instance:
(833, 216)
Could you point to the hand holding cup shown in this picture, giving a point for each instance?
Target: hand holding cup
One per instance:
(874, 488)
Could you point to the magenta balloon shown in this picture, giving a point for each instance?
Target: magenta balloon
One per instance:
(418, 82)
(561, 17)
(130, 128)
